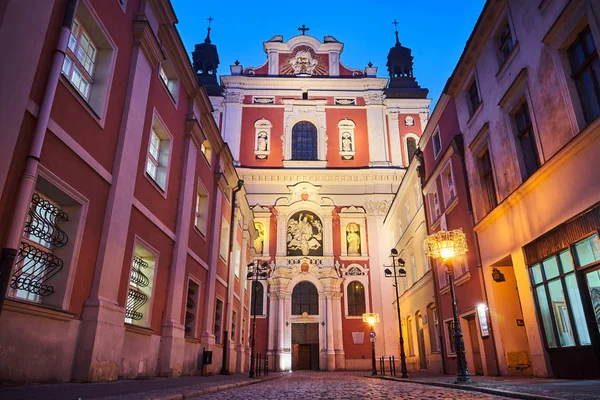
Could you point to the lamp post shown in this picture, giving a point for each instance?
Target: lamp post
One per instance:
(371, 319)
(444, 245)
(256, 272)
(397, 271)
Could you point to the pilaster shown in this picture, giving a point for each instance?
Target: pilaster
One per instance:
(330, 335)
(340, 355)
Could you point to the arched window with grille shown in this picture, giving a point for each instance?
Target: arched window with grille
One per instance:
(304, 141)
(356, 299)
(305, 298)
(258, 290)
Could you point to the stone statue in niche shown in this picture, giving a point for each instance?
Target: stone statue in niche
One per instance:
(260, 239)
(346, 142)
(261, 141)
(353, 239)
(409, 121)
(304, 234)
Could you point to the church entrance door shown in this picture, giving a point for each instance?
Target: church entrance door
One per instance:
(305, 346)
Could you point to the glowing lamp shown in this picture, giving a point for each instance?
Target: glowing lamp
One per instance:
(371, 318)
(446, 244)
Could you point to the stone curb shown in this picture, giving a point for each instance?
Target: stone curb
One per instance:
(497, 392)
(202, 392)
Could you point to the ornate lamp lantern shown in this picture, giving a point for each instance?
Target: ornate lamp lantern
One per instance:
(371, 319)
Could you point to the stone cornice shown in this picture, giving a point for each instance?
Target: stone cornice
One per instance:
(147, 41)
(279, 83)
(292, 176)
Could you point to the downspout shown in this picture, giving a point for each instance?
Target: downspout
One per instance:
(458, 147)
(21, 208)
(421, 172)
(240, 184)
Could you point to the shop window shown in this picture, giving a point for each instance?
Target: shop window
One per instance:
(587, 251)
(139, 293)
(585, 68)
(356, 299)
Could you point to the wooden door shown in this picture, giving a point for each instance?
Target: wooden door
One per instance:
(475, 346)
(304, 351)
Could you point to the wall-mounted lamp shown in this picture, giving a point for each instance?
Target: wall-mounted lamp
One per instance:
(287, 323)
(322, 323)
(497, 276)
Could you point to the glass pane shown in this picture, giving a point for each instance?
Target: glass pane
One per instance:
(561, 314)
(546, 319)
(588, 250)
(536, 273)
(566, 261)
(577, 308)
(593, 282)
(550, 267)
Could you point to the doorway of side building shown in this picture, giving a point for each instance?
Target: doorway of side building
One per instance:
(305, 346)
(474, 343)
(421, 342)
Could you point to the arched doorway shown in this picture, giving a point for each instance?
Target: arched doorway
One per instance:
(305, 335)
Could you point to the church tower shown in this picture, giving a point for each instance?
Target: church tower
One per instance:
(322, 149)
(205, 62)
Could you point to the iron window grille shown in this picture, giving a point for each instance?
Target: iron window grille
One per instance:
(356, 299)
(135, 297)
(35, 263)
(190, 309)
(304, 141)
(305, 298)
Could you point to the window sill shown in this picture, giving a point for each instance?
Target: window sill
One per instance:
(200, 233)
(507, 62)
(84, 103)
(451, 205)
(474, 115)
(138, 329)
(36, 309)
(156, 186)
(191, 339)
(436, 223)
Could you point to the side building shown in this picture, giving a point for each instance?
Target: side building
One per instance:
(528, 105)
(119, 197)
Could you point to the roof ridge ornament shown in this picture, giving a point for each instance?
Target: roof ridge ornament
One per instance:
(396, 26)
(207, 39)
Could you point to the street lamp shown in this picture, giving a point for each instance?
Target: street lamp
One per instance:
(371, 319)
(445, 245)
(256, 272)
(397, 271)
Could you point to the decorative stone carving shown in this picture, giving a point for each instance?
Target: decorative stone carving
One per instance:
(353, 239)
(263, 100)
(409, 121)
(374, 99)
(374, 207)
(345, 102)
(354, 271)
(304, 61)
(260, 239)
(304, 234)
(424, 116)
(234, 97)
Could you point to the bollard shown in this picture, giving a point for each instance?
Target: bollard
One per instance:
(393, 365)
(382, 365)
(266, 366)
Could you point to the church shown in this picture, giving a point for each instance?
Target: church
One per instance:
(322, 148)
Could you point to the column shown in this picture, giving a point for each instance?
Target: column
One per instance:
(395, 142)
(272, 333)
(232, 123)
(340, 355)
(102, 328)
(281, 229)
(378, 139)
(328, 235)
(240, 358)
(280, 359)
(330, 342)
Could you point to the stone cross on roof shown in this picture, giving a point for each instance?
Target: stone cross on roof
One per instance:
(303, 28)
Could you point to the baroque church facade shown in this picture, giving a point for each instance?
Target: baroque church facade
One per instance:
(322, 149)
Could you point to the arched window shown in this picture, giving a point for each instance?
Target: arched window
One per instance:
(305, 298)
(411, 147)
(304, 141)
(356, 299)
(259, 291)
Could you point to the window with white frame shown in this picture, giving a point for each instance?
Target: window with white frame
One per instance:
(49, 244)
(434, 204)
(437, 142)
(159, 149)
(206, 151)
(236, 259)
(89, 60)
(434, 329)
(448, 184)
(201, 217)
(224, 243)
(141, 280)
(169, 79)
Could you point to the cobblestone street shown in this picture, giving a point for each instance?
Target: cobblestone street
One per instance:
(324, 385)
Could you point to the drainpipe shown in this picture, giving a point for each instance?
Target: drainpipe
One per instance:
(438, 308)
(240, 184)
(458, 147)
(21, 208)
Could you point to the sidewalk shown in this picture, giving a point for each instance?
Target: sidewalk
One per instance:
(514, 386)
(141, 389)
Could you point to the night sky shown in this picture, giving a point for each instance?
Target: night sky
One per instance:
(435, 30)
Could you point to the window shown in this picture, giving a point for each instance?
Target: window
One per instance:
(224, 243)
(206, 151)
(407, 212)
(201, 217)
(559, 300)
(413, 269)
(159, 149)
(169, 78)
(504, 43)
(526, 139)
(434, 329)
(487, 181)
(80, 59)
(448, 184)
(304, 141)
(473, 97)
(218, 321)
(141, 280)
(305, 299)
(411, 147)
(418, 195)
(409, 334)
(437, 142)
(236, 260)
(434, 204)
(233, 320)
(356, 299)
(585, 67)
(258, 293)
(191, 309)
(460, 265)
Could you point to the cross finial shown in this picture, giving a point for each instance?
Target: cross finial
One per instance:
(396, 28)
(207, 39)
(303, 28)
(210, 19)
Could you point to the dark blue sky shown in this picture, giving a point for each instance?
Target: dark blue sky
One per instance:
(435, 30)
